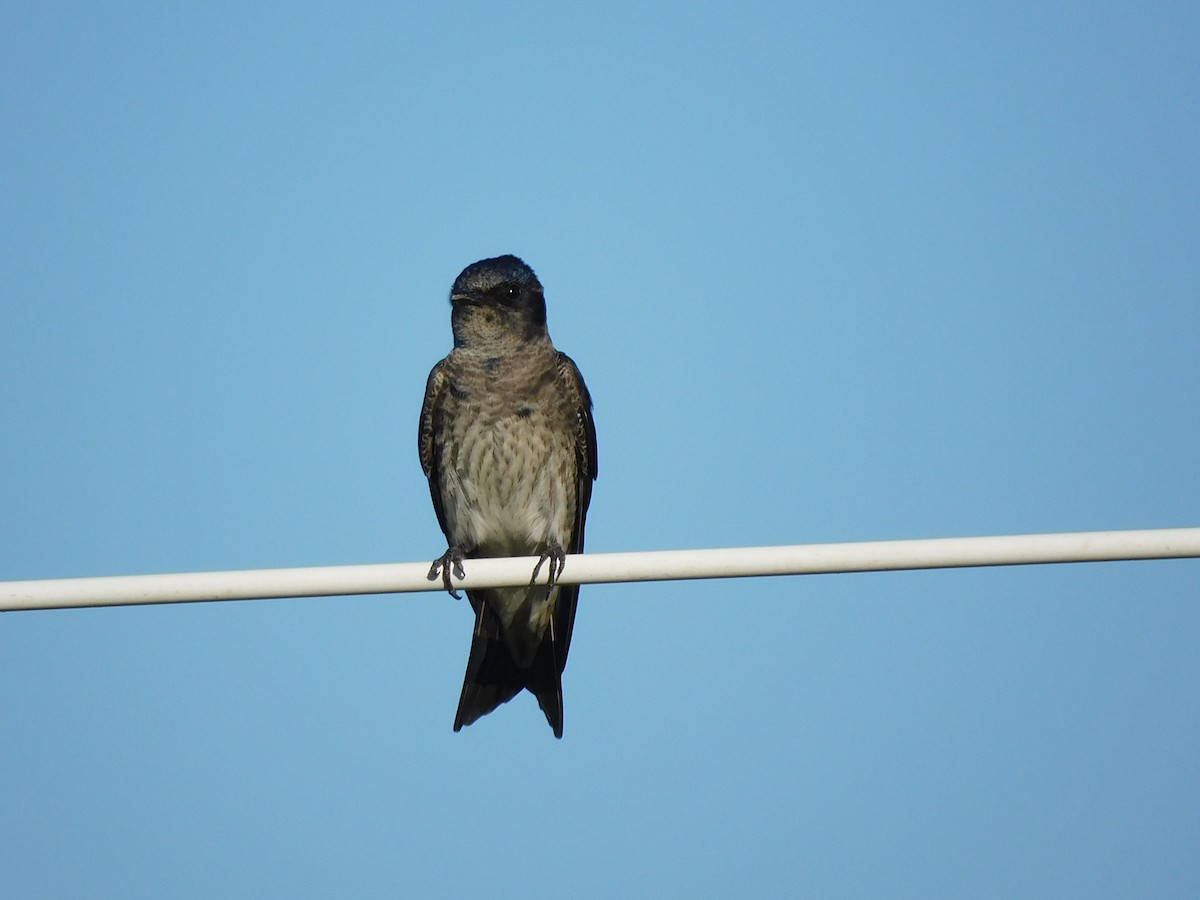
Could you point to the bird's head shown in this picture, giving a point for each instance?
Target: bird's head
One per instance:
(495, 302)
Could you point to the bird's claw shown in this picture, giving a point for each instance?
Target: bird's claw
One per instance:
(554, 555)
(450, 561)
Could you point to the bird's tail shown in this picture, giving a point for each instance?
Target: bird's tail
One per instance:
(494, 678)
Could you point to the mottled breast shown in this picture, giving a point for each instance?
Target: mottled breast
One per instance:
(508, 467)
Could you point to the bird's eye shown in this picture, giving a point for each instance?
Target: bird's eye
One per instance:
(505, 293)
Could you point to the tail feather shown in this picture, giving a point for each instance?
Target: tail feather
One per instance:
(492, 678)
(543, 679)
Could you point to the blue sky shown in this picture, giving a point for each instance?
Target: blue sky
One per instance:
(832, 273)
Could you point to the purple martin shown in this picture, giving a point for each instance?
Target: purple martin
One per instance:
(508, 444)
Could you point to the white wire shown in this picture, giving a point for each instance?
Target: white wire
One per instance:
(663, 565)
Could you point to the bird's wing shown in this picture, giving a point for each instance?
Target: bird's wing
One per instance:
(431, 410)
(585, 443)
(585, 473)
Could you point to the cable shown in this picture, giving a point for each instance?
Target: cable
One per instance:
(591, 568)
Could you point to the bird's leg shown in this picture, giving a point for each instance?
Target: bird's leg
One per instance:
(452, 559)
(554, 555)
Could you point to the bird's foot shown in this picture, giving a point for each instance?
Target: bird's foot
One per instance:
(451, 560)
(554, 555)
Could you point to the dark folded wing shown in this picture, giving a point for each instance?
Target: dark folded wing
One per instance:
(585, 473)
(427, 437)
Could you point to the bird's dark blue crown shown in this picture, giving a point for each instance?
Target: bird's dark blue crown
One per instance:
(488, 273)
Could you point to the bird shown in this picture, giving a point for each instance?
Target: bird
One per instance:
(508, 444)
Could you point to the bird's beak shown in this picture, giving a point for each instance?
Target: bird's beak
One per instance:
(464, 298)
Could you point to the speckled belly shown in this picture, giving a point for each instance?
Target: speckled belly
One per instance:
(509, 492)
